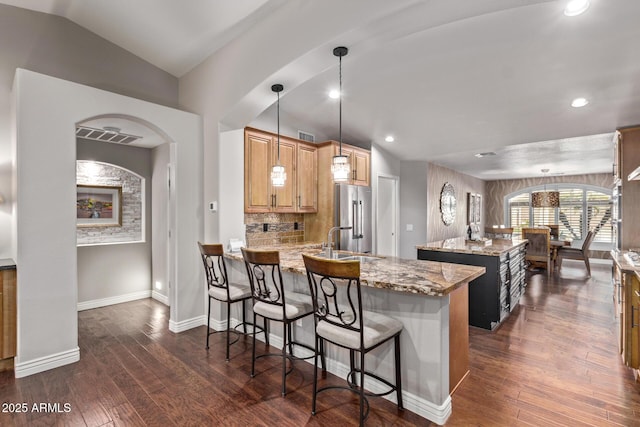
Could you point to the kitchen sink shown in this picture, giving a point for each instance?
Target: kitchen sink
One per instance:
(349, 257)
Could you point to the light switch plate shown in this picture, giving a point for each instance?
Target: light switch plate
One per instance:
(409, 227)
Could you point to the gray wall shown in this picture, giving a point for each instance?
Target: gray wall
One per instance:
(109, 271)
(462, 184)
(413, 202)
(57, 47)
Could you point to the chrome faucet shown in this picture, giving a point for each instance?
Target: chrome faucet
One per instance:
(330, 239)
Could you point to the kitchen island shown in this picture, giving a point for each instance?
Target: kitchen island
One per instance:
(431, 300)
(493, 296)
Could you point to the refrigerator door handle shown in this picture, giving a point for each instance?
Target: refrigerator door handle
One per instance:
(361, 220)
(354, 219)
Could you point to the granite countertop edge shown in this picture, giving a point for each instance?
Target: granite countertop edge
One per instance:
(428, 278)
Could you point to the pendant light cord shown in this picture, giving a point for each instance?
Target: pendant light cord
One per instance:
(278, 127)
(340, 119)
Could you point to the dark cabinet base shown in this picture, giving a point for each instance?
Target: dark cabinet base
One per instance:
(495, 294)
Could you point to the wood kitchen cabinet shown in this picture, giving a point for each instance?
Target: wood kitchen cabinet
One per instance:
(626, 160)
(317, 225)
(299, 194)
(8, 283)
(360, 160)
(626, 298)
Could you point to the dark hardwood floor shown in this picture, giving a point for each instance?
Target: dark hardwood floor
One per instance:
(553, 363)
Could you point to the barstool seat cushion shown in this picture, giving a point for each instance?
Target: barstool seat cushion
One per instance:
(297, 305)
(377, 328)
(236, 292)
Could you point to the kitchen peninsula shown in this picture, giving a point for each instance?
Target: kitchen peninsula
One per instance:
(431, 300)
(493, 296)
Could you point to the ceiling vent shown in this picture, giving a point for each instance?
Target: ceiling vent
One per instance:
(108, 134)
(306, 136)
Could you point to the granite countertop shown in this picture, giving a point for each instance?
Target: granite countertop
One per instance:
(397, 274)
(624, 262)
(7, 264)
(460, 245)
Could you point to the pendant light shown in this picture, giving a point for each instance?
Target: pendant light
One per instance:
(545, 199)
(278, 174)
(340, 167)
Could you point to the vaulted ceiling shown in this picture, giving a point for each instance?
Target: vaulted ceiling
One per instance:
(447, 78)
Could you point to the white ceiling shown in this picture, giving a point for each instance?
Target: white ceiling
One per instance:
(448, 78)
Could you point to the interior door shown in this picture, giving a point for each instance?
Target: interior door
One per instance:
(386, 216)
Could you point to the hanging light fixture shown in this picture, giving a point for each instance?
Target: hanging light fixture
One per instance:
(545, 199)
(340, 167)
(278, 174)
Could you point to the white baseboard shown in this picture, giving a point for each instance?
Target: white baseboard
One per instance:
(96, 303)
(160, 298)
(41, 364)
(185, 325)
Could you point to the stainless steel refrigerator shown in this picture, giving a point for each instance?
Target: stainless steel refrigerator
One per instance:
(353, 208)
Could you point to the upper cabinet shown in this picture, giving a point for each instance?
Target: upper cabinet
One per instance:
(360, 160)
(626, 160)
(299, 194)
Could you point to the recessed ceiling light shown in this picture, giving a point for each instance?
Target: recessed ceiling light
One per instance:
(485, 154)
(389, 138)
(334, 94)
(579, 102)
(576, 7)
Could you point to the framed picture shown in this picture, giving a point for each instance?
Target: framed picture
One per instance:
(478, 209)
(471, 206)
(98, 206)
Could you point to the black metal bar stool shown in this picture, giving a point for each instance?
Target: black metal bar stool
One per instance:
(219, 289)
(272, 302)
(339, 319)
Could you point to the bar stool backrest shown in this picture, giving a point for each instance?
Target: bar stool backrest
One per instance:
(265, 277)
(214, 266)
(335, 291)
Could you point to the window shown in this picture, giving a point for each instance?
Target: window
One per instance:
(581, 208)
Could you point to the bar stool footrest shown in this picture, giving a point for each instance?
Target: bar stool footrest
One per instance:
(355, 387)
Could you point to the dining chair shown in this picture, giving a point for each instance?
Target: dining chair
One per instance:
(581, 253)
(498, 232)
(341, 320)
(538, 251)
(220, 289)
(275, 303)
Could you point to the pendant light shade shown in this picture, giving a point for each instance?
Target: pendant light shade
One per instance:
(278, 173)
(340, 166)
(545, 199)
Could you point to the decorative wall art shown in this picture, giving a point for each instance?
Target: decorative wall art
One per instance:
(98, 205)
(474, 208)
(448, 204)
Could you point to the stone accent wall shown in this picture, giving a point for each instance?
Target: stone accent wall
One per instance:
(281, 228)
(97, 173)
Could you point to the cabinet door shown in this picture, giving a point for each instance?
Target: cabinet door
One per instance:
(257, 169)
(8, 313)
(360, 164)
(284, 198)
(632, 286)
(307, 169)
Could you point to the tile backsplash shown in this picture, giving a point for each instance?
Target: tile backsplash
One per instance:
(280, 228)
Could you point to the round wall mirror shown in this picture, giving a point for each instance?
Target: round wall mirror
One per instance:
(448, 204)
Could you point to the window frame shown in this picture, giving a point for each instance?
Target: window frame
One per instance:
(562, 186)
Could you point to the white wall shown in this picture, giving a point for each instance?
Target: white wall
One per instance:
(231, 203)
(45, 248)
(160, 223)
